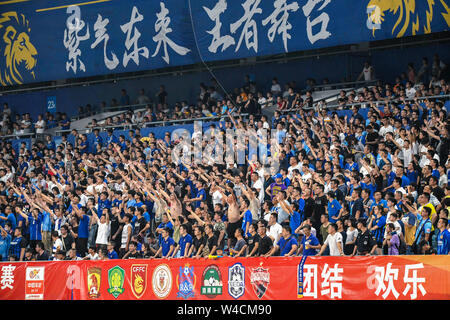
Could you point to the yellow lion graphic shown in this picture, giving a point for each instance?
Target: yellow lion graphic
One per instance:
(19, 54)
(407, 15)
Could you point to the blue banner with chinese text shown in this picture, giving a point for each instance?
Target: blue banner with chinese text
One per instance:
(43, 40)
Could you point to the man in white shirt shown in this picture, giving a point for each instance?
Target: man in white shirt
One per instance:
(293, 165)
(40, 125)
(276, 88)
(274, 228)
(385, 128)
(103, 230)
(258, 184)
(333, 241)
(410, 90)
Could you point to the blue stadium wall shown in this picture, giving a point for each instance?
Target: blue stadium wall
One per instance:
(388, 64)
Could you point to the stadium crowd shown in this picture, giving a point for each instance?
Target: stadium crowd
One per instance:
(346, 185)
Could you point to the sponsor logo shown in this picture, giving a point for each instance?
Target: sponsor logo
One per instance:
(138, 279)
(34, 283)
(186, 282)
(211, 282)
(162, 281)
(116, 278)
(260, 279)
(236, 280)
(93, 282)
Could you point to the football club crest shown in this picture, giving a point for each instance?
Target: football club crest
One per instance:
(138, 279)
(162, 281)
(211, 282)
(116, 278)
(186, 282)
(260, 279)
(236, 280)
(93, 282)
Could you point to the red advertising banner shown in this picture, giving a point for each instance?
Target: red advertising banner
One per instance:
(275, 278)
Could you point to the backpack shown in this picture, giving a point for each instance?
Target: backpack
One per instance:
(402, 248)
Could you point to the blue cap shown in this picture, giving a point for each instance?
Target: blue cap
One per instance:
(278, 176)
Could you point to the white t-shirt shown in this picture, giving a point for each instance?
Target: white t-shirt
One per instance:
(410, 93)
(351, 235)
(93, 257)
(57, 244)
(103, 232)
(275, 232)
(259, 185)
(216, 197)
(332, 241)
(41, 124)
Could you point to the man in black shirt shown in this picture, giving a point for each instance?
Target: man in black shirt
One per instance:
(320, 203)
(41, 254)
(132, 252)
(372, 138)
(66, 238)
(309, 203)
(365, 242)
(253, 240)
(265, 243)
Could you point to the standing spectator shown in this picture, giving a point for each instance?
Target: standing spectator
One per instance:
(265, 242)
(41, 254)
(333, 242)
(368, 72)
(167, 244)
(124, 98)
(5, 242)
(184, 243)
(287, 245)
(365, 242)
(352, 234)
(112, 254)
(275, 228)
(83, 230)
(392, 241)
(127, 232)
(310, 244)
(443, 237)
(239, 250)
(57, 243)
(18, 245)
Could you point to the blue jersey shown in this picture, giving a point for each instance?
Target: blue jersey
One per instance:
(12, 219)
(443, 242)
(113, 255)
(311, 240)
(46, 222)
(183, 242)
(4, 246)
(247, 218)
(378, 234)
(286, 245)
(165, 244)
(162, 226)
(295, 220)
(83, 228)
(200, 194)
(102, 204)
(333, 210)
(34, 226)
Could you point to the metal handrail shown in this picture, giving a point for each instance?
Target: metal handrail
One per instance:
(18, 136)
(382, 102)
(154, 123)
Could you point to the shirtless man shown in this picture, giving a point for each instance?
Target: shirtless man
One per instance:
(233, 214)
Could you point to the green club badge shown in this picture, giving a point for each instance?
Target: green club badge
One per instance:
(116, 278)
